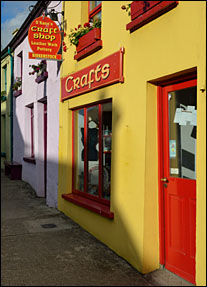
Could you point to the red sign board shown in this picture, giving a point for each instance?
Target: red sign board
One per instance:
(45, 39)
(103, 73)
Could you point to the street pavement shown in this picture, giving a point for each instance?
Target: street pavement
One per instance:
(40, 246)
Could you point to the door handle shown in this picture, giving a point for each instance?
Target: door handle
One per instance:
(164, 179)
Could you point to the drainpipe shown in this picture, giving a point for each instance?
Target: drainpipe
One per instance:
(11, 105)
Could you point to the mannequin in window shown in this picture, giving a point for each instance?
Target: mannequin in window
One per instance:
(92, 141)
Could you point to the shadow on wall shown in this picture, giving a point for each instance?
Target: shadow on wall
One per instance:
(124, 226)
(42, 172)
(131, 242)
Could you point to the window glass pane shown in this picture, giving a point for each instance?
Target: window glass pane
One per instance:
(182, 132)
(107, 150)
(91, 175)
(94, 4)
(97, 16)
(93, 149)
(79, 150)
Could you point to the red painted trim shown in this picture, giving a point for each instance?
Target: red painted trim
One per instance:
(93, 12)
(121, 55)
(85, 151)
(84, 193)
(73, 155)
(176, 79)
(139, 7)
(92, 197)
(161, 127)
(88, 39)
(183, 85)
(151, 14)
(17, 93)
(20, 55)
(32, 132)
(10, 163)
(41, 78)
(30, 159)
(166, 90)
(45, 147)
(100, 187)
(96, 207)
(88, 50)
(21, 65)
(114, 76)
(160, 175)
(92, 89)
(187, 276)
(14, 169)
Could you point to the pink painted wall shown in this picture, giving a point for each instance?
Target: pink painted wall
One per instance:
(32, 92)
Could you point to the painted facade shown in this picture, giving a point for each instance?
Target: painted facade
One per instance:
(6, 92)
(169, 49)
(36, 121)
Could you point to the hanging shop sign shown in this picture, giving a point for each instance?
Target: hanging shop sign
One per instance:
(45, 39)
(98, 75)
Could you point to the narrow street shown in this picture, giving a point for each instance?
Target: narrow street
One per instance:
(42, 247)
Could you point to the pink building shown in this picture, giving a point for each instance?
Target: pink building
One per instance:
(36, 112)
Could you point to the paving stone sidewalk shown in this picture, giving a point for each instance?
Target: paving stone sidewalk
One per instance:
(40, 246)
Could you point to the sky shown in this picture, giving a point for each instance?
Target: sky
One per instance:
(13, 14)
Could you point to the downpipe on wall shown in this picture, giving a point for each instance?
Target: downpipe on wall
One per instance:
(11, 104)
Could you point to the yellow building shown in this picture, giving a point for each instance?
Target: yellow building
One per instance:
(132, 147)
(6, 106)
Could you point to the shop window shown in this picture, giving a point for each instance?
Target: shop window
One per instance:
(92, 150)
(30, 134)
(94, 10)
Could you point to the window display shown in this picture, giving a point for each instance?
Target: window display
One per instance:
(92, 135)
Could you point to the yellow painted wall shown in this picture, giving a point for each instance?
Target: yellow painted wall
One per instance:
(170, 44)
(5, 110)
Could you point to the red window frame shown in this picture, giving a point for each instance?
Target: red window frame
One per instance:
(84, 193)
(92, 13)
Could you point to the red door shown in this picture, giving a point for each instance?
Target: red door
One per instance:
(178, 177)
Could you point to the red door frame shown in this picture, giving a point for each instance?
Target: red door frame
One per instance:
(160, 175)
(160, 128)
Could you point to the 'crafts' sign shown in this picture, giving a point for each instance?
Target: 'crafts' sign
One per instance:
(45, 39)
(103, 73)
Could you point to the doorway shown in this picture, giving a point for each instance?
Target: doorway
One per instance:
(177, 177)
